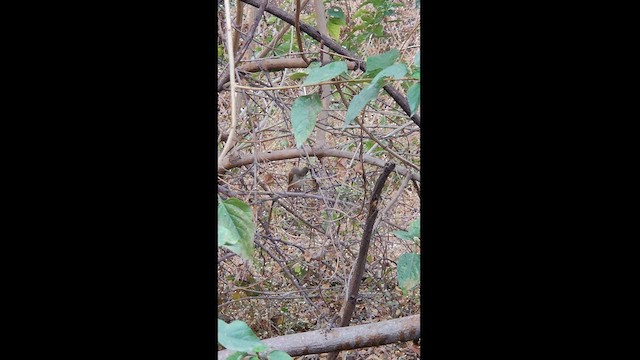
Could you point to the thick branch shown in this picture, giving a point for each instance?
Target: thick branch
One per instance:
(236, 161)
(353, 337)
(333, 45)
(355, 280)
(280, 64)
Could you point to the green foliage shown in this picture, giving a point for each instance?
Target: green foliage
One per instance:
(368, 144)
(335, 22)
(279, 355)
(305, 109)
(304, 114)
(376, 63)
(283, 48)
(413, 94)
(237, 356)
(412, 234)
(396, 71)
(333, 29)
(325, 73)
(413, 97)
(382, 66)
(359, 102)
(299, 270)
(372, 17)
(239, 337)
(408, 271)
(336, 13)
(298, 75)
(235, 227)
(409, 263)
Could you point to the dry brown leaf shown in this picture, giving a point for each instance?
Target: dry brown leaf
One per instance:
(358, 168)
(267, 179)
(415, 348)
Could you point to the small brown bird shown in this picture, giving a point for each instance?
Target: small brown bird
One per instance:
(296, 178)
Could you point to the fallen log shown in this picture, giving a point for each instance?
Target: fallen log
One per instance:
(346, 338)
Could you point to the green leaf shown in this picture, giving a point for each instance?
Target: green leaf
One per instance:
(408, 271)
(235, 227)
(379, 62)
(414, 231)
(416, 59)
(298, 270)
(235, 222)
(282, 48)
(335, 13)
(359, 102)
(359, 27)
(313, 65)
(378, 30)
(413, 97)
(397, 71)
(368, 144)
(326, 72)
(333, 29)
(360, 12)
(279, 355)
(238, 355)
(297, 75)
(220, 51)
(238, 336)
(243, 248)
(304, 114)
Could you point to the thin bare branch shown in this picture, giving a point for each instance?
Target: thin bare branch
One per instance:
(232, 132)
(230, 163)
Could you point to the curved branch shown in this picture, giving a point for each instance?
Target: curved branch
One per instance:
(230, 163)
(333, 45)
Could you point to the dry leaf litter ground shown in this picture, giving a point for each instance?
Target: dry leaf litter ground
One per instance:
(268, 300)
